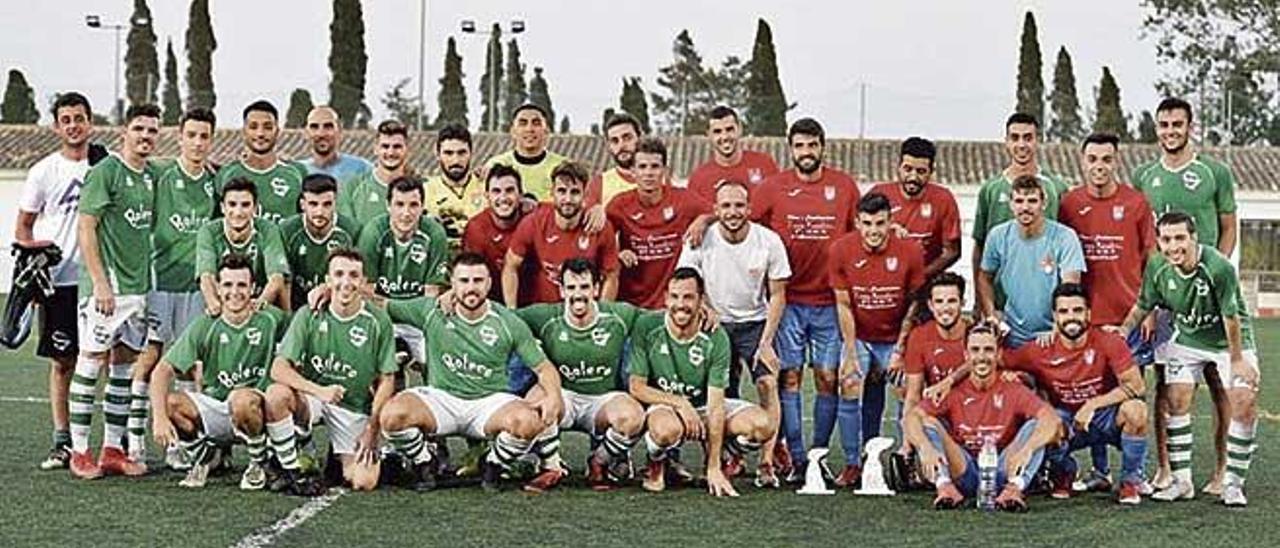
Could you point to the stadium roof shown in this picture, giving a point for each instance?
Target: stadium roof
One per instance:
(959, 162)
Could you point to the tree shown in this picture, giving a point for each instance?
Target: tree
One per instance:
(1030, 72)
(452, 101)
(142, 68)
(1147, 128)
(402, 106)
(200, 45)
(633, 102)
(299, 106)
(1110, 116)
(490, 81)
(606, 115)
(766, 107)
(1067, 125)
(516, 91)
(540, 95)
(564, 124)
(19, 106)
(172, 100)
(347, 63)
(684, 81)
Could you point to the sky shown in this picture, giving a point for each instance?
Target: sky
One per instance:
(943, 69)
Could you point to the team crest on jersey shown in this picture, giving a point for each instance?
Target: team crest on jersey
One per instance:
(1117, 213)
(755, 175)
(1047, 264)
(1191, 180)
(926, 210)
(998, 400)
(146, 180)
(254, 335)
(1202, 288)
(600, 337)
(489, 335)
(696, 355)
(583, 242)
(208, 188)
(891, 264)
(417, 253)
(358, 335)
(279, 186)
(668, 213)
(1089, 355)
(332, 245)
(302, 250)
(829, 192)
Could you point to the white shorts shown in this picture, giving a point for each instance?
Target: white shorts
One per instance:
(580, 410)
(127, 324)
(417, 342)
(1185, 365)
(732, 406)
(460, 416)
(215, 416)
(345, 426)
(169, 314)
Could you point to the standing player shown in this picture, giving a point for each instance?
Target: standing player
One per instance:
(1117, 233)
(1198, 286)
(874, 275)
(729, 161)
(679, 373)
(529, 154)
(47, 210)
(114, 231)
(552, 235)
(923, 210)
(467, 380)
(489, 232)
(652, 220)
(1028, 257)
(309, 236)
(456, 194)
(1185, 180)
(810, 207)
(324, 131)
(365, 198)
(1089, 377)
(335, 364)
(622, 133)
(240, 232)
(279, 182)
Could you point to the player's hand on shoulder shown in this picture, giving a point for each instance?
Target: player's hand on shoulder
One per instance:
(447, 302)
(938, 391)
(1045, 340)
(593, 221)
(318, 297)
(710, 318)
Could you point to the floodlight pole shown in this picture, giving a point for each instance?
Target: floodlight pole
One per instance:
(469, 27)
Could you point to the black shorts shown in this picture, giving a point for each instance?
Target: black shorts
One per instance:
(58, 334)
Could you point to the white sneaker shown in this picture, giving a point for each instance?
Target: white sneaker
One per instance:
(1146, 489)
(1177, 490)
(196, 476)
(175, 458)
(1233, 496)
(254, 478)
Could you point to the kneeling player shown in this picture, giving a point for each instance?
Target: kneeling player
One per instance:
(680, 373)
(467, 355)
(235, 349)
(949, 434)
(336, 364)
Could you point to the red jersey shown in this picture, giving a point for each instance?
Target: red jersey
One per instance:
(880, 282)
(929, 354)
(1116, 234)
(808, 217)
(656, 235)
(932, 217)
(971, 413)
(484, 236)
(540, 241)
(1072, 377)
(752, 169)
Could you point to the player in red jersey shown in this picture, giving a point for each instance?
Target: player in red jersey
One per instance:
(489, 232)
(729, 161)
(652, 221)
(949, 433)
(874, 274)
(809, 207)
(550, 236)
(1090, 379)
(923, 210)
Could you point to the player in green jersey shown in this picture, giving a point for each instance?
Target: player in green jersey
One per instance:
(467, 377)
(240, 232)
(114, 231)
(312, 234)
(1212, 329)
(530, 129)
(365, 198)
(279, 182)
(679, 373)
(584, 338)
(336, 364)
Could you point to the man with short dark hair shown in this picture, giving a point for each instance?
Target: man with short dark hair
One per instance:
(622, 134)
(489, 232)
(324, 131)
(309, 236)
(365, 198)
(279, 182)
(921, 209)
(530, 128)
(729, 161)
(457, 193)
(238, 231)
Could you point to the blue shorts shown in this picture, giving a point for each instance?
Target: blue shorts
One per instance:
(1144, 352)
(810, 332)
(1103, 428)
(519, 377)
(873, 355)
(967, 483)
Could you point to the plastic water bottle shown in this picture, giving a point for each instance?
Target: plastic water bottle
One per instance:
(988, 459)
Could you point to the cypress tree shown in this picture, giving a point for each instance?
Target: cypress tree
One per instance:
(540, 95)
(516, 91)
(1111, 118)
(766, 109)
(1030, 75)
(347, 61)
(633, 102)
(299, 106)
(200, 45)
(142, 67)
(1067, 125)
(19, 106)
(172, 100)
(489, 96)
(452, 100)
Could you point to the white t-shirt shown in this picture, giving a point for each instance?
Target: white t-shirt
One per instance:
(737, 275)
(52, 192)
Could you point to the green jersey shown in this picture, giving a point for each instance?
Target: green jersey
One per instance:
(308, 256)
(231, 356)
(464, 358)
(123, 200)
(349, 352)
(184, 203)
(994, 202)
(363, 199)
(535, 177)
(279, 187)
(587, 358)
(683, 368)
(400, 269)
(263, 248)
(1203, 189)
(1199, 300)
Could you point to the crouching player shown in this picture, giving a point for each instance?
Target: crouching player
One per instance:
(950, 433)
(336, 364)
(680, 373)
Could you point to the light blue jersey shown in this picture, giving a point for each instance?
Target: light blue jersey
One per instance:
(1029, 270)
(345, 170)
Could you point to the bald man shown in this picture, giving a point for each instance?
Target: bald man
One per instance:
(324, 131)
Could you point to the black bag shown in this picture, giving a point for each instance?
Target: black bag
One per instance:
(31, 284)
